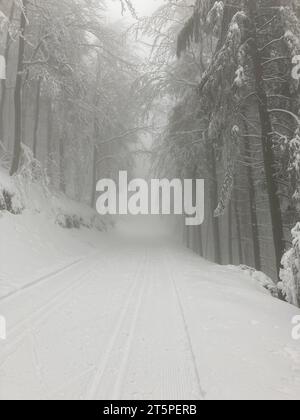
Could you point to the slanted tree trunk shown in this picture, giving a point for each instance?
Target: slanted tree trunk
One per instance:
(37, 117)
(18, 92)
(266, 138)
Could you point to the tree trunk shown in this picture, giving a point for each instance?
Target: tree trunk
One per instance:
(3, 82)
(214, 202)
(49, 137)
(196, 230)
(238, 229)
(200, 240)
(230, 246)
(37, 117)
(253, 209)
(18, 92)
(94, 175)
(267, 143)
(187, 235)
(62, 181)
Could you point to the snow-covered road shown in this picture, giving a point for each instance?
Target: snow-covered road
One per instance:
(147, 319)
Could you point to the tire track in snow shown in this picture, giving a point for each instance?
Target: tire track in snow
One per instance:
(202, 393)
(137, 288)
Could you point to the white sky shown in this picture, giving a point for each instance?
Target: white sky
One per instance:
(142, 7)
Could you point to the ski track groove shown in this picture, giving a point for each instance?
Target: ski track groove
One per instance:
(117, 393)
(142, 345)
(40, 280)
(38, 316)
(91, 393)
(127, 317)
(202, 393)
(39, 369)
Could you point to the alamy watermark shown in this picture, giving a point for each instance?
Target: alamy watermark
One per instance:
(296, 328)
(2, 328)
(158, 197)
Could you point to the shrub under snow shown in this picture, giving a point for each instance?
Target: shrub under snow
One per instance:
(9, 197)
(262, 279)
(290, 273)
(29, 190)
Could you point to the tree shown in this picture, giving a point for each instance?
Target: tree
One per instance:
(3, 82)
(250, 66)
(18, 90)
(59, 45)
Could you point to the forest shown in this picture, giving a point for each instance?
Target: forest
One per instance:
(217, 91)
(125, 124)
(234, 121)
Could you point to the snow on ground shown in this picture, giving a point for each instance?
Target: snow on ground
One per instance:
(138, 317)
(33, 243)
(32, 246)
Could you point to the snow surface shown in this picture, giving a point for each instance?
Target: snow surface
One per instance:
(32, 246)
(134, 315)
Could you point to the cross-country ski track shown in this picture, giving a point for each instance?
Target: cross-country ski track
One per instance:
(147, 319)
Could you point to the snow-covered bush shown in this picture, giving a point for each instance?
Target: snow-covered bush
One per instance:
(32, 182)
(215, 16)
(262, 279)
(30, 189)
(240, 79)
(9, 197)
(290, 273)
(72, 215)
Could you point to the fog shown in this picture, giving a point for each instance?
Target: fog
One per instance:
(142, 7)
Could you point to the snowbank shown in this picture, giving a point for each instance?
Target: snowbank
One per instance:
(260, 278)
(32, 247)
(29, 190)
(32, 241)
